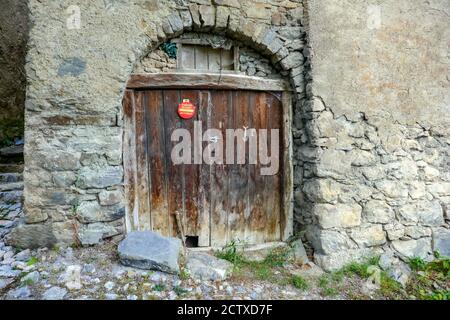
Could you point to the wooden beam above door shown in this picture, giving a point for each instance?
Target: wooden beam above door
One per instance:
(179, 80)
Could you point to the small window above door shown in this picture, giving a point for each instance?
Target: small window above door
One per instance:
(194, 55)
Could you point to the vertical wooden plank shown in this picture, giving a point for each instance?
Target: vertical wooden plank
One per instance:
(157, 162)
(174, 172)
(204, 188)
(129, 160)
(201, 58)
(214, 61)
(273, 182)
(188, 57)
(238, 173)
(256, 222)
(227, 59)
(142, 182)
(219, 182)
(236, 56)
(287, 217)
(191, 172)
(180, 55)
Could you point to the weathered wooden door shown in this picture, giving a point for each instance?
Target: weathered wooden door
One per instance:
(216, 203)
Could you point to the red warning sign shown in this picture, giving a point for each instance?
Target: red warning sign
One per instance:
(186, 109)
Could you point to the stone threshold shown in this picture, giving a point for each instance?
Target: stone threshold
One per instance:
(268, 246)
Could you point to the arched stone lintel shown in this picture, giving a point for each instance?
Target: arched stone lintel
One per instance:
(258, 36)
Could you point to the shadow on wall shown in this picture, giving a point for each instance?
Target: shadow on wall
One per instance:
(14, 28)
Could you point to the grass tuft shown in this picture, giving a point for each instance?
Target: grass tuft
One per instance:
(299, 283)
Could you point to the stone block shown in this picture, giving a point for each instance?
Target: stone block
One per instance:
(195, 14)
(57, 160)
(293, 60)
(186, 19)
(207, 16)
(35, 215)
(337, 260)
(377, 211)
(258, 11)
(368, 236)
(94, 233)
(338, 216)
(392, 189)
(111, 197)
(175, 23)
(228, 3)
(321, 190)
(441, 241)
(92, 211)
(428, 213)
(222, 17)
(100, 177)
(329, 241)
(408, 249)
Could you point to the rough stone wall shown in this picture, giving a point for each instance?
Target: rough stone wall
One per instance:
(13, 40)
(376, 158)
(73, 153)
(370, 127)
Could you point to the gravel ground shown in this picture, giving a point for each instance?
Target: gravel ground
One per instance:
(95, 273)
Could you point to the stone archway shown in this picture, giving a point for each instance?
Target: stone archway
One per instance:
(156, 61)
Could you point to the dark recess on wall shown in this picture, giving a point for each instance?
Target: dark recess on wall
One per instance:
(14, 28)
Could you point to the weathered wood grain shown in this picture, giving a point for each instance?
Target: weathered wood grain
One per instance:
(287, 217)
(157, 162)
(174, 172)
(219, 106)
(129, 161)
(191, 172)
(190, 80)
(219, 202)
(273, 182)
(238, 178)
(204, 188)
(142, 174)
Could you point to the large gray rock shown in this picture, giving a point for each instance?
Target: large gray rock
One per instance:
(207, 267)
(31, 236)
(149, 250)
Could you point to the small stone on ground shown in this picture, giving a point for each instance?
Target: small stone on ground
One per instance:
(207, 267)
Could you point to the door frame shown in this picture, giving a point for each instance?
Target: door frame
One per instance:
(206, 81)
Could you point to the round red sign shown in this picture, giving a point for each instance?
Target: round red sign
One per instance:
(186, 109)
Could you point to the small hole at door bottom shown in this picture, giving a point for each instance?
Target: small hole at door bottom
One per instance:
(192, 241)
